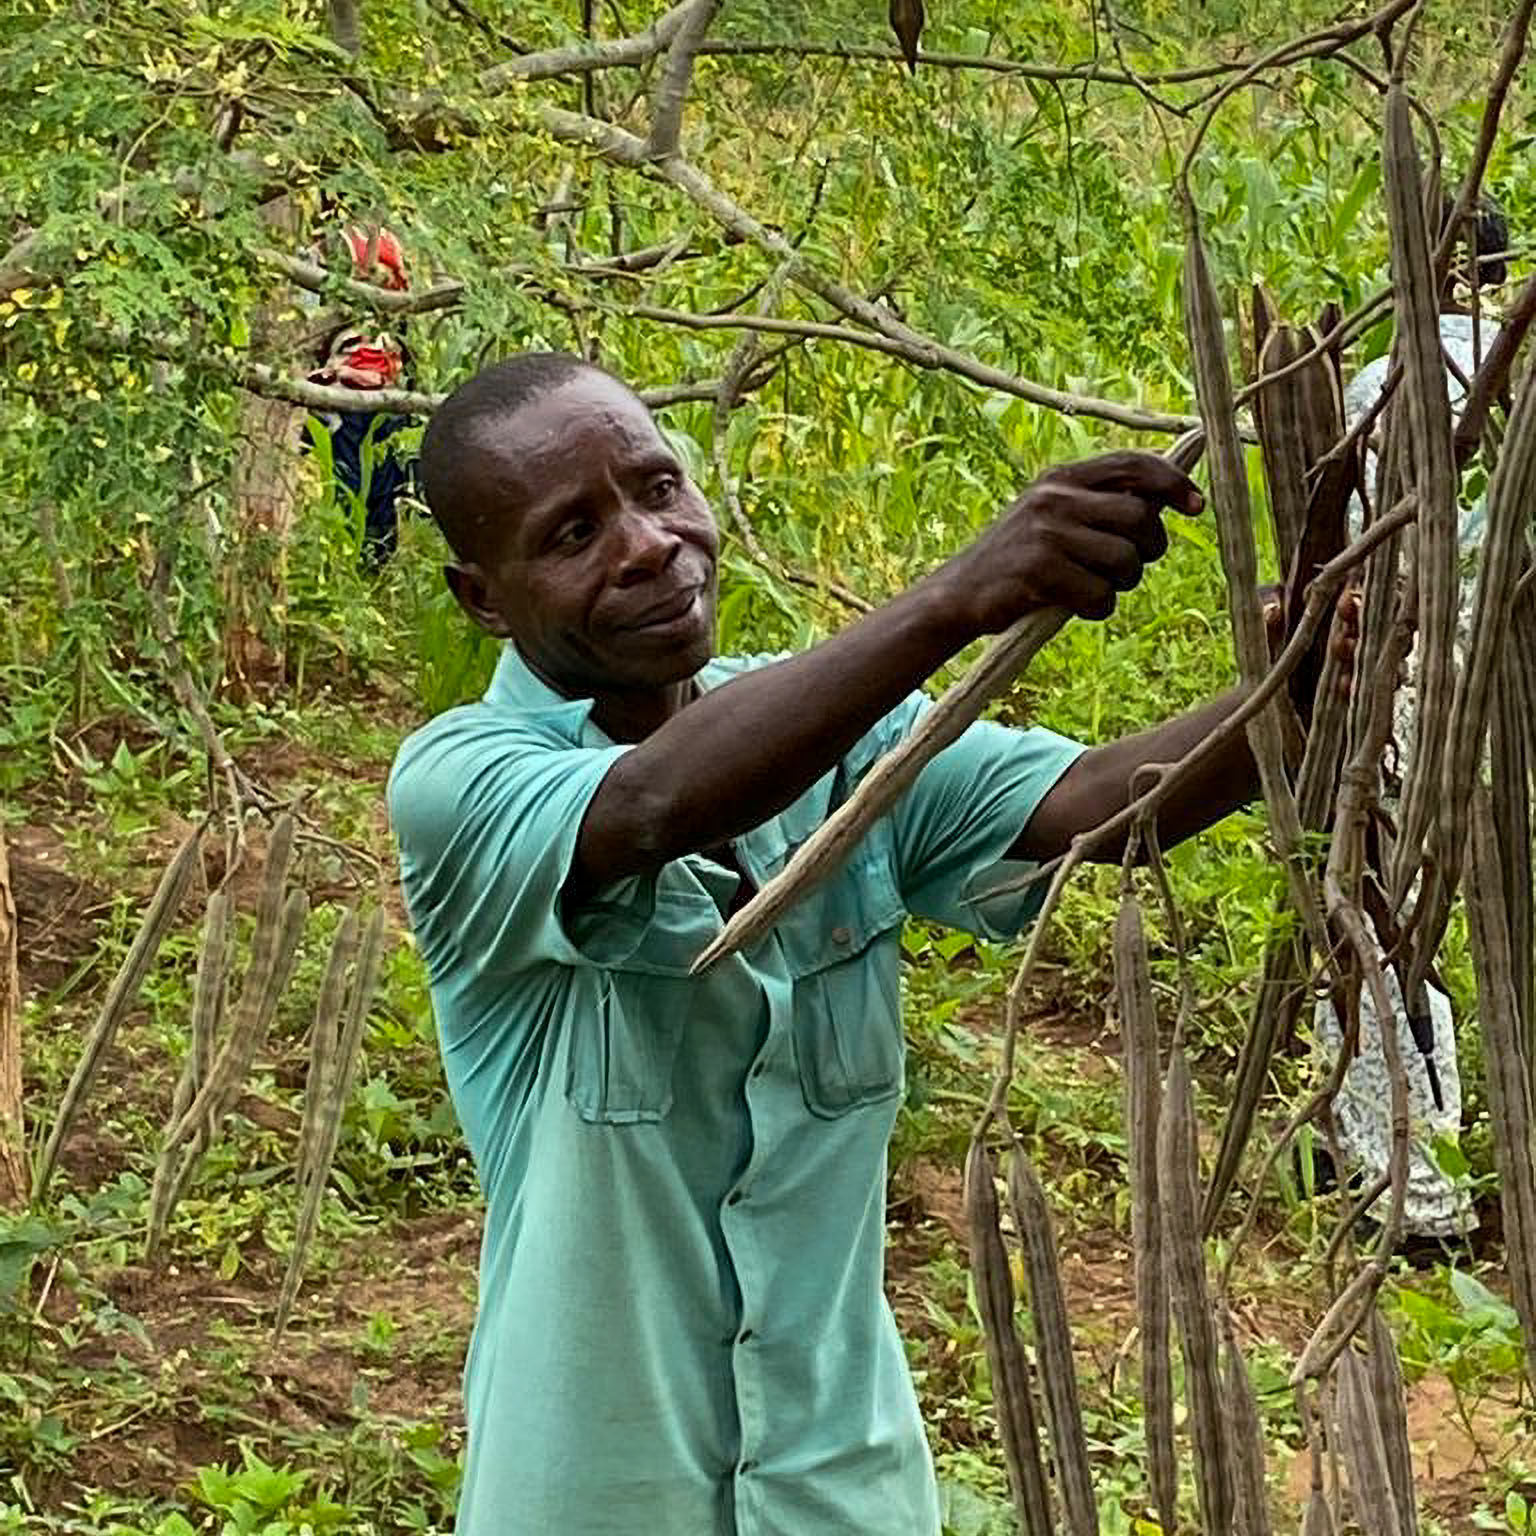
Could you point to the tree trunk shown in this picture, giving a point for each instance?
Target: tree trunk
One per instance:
(13, 1159)
(267, 474)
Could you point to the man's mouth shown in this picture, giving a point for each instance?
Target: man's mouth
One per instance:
(676, 607)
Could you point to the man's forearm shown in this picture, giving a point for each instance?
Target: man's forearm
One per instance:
(742, 752)
(1099, 784)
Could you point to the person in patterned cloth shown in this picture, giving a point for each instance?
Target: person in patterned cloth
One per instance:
(1437, 1205)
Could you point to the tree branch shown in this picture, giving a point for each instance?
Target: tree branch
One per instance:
(672, 88)
(922, 351)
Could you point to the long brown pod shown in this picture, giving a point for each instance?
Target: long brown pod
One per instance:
(1053, 1344)
(187, 1141)
(331, 1099)
(1279, 413)
(1385, 1370)
(1506, 1069)
(1239, 558)
(121, 995)
(324, 1036)
(262, 984)
(1501, 563)
(1013, 1389)
(1143, 1076)
(1425, 394)
(1245, 1437)
(1178, 1178)
(1365, 1453)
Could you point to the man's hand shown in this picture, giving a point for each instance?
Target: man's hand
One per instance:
(1078, 536)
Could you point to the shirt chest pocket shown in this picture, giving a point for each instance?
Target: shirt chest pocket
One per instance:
(623, 1049)
(846, 959)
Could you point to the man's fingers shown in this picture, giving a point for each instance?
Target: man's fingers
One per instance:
(1115, 560)
(1146, 475)
(1130, 517)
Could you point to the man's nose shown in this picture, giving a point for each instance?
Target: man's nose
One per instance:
(647, 546)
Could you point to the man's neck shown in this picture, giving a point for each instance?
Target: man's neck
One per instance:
(633, 715)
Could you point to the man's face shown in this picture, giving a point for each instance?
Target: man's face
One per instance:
(601, 550)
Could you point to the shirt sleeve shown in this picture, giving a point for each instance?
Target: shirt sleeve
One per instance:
(486, 819)
(954, 827)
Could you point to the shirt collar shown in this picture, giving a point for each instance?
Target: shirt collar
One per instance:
(517, 688)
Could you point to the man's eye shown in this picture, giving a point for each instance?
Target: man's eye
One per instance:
(575, 533)
(661, 490)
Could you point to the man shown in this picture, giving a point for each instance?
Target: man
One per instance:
(682, 1329)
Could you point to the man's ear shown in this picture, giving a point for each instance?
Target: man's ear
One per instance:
(468, 584)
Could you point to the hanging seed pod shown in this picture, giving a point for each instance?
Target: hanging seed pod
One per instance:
(276, 949)
(324, 1037)
(1245, 1433)
(121, 996)
(1138, 1035)
(1391, 1400)
(1365, 1453)
(1318, 1519)
(1013, 1391)
(1433, 473)
(1511, 803)
(1500, 566)
(1178, 1178)
(1053, 1345)
(1282, 989)
(322, 1132)
(1239, 558)
(1507, 1071)
(907, 23)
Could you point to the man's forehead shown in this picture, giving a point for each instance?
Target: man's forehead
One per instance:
(589, 415)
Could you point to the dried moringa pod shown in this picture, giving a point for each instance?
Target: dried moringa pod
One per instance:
(907, 23)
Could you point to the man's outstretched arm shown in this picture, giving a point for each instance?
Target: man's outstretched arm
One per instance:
(743, 752)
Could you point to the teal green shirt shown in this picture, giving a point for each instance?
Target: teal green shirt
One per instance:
(682, 1327)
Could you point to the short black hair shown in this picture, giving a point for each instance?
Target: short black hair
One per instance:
(1490, 229)
(453, 439)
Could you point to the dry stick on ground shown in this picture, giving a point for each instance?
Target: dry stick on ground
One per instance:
(1013, 1388)
(159, 916)
(1053, 1343)
(1506, 1068)
(1143, 1075)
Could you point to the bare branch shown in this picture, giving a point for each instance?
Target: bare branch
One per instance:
(922, 351)
(582, 58)
(672, 88)
(1509, 60)
(317, 279)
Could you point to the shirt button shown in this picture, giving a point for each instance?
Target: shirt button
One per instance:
(842, 935)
